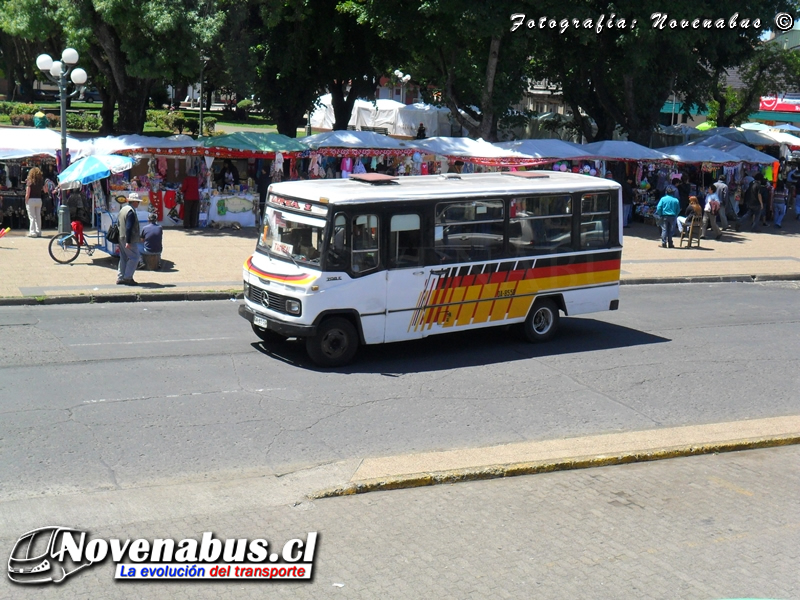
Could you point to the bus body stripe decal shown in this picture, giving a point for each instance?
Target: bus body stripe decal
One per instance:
(475, 298)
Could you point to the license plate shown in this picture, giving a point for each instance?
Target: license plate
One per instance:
(259, 321)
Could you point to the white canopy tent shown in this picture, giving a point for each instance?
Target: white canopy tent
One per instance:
(382, 114)
(476, 151)
(22, 142)
(351, 143)
(129, 144)
(743, 152)
(435, 119)
(396, 117)
(700, 154)
(554, 149)
(622, 150)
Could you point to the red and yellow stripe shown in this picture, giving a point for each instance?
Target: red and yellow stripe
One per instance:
(457, 301)
(300, 279)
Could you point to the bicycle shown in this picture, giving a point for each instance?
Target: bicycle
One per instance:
(65, 247)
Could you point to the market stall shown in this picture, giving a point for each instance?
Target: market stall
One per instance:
(21, 149)
(87, 173)
(163, 163)
(338, 153)
(551, 149)
(476, 155)
(238, 203)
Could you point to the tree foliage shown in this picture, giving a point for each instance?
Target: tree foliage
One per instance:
(622, 76)
(130, 44)
(769, 71)
(462, 54)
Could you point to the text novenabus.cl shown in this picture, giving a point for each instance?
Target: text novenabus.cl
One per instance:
(50, 554)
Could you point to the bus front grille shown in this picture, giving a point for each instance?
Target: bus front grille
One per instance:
(269, 300)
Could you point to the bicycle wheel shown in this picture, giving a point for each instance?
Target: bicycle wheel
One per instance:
(64, 248)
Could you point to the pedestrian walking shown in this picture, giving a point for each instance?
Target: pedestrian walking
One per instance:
(712, 209)
(779, 202)
(667, 210)
(722, 194)
(33, 201)
(754, 202)
(128, 241)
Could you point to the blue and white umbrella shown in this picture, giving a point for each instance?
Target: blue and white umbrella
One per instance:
(92, 168)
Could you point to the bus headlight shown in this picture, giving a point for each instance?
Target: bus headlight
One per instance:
(246, 290)
(293, 307)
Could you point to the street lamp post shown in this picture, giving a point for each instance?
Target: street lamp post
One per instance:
(404, 78)
(56, 71)
(204, 60)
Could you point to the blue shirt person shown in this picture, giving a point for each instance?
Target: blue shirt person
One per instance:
(668, 209)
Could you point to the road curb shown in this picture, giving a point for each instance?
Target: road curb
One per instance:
(129, 297)
(712, 279)
(548, 466)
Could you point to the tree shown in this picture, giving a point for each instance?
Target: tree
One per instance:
(462, 54)
(771, 70)
(130, 44)
(625, 74)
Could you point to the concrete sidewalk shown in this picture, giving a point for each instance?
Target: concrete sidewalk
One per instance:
(199, 262)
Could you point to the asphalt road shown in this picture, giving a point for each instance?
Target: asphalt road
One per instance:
(122, 395)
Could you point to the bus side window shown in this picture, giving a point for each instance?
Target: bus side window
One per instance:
(595, 221)
(404, 241)
(338, 251)
(366, 254)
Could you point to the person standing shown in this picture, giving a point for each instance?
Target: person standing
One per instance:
(668, 209)
(793, 179)
(33, 201)
(754, 202)
(712, 209)
(128, 241)
(627, 201)
(190, 188)
(779, 202)
(722, 194)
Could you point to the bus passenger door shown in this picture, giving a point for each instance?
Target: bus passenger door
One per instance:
(406, 290)
(368, 287)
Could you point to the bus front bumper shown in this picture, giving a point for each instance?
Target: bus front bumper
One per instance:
(280, 327)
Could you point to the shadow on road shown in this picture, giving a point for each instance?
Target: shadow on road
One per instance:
(470, 348)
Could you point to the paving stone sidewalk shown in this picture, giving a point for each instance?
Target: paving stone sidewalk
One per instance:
(211, 260)
(704, 527)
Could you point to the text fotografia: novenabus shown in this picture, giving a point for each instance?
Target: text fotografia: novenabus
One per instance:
(614, 22)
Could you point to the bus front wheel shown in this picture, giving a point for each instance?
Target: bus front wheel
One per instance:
(542, 322)
(335, 343)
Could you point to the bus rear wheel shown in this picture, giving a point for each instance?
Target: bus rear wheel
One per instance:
(335, 343)
(542, 322)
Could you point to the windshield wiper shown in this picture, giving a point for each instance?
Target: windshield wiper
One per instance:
(291, 258)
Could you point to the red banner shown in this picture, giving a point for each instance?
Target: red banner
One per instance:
(778, 104)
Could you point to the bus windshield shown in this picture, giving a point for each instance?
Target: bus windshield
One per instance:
(288, 235)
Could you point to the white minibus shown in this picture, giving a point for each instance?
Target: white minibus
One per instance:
(374, 259)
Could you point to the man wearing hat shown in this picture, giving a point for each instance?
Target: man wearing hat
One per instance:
(128, 241)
